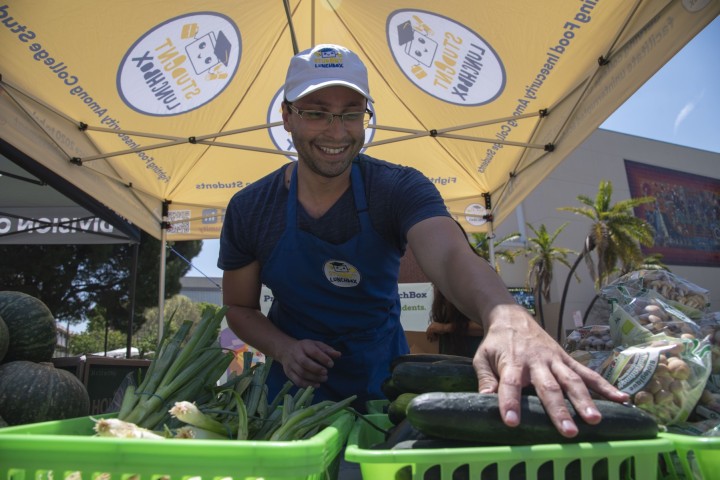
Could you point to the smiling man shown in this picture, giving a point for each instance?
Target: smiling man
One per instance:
(326, 235)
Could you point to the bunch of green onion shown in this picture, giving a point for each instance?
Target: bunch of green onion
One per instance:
(180, 397)
(184, 368)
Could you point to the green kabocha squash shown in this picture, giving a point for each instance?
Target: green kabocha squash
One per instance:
(33, 334)
(4, 339)
(38, 392)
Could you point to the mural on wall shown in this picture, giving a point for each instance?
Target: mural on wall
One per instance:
(685, 214)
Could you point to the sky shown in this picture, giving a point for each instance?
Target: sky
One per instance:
(680, 105)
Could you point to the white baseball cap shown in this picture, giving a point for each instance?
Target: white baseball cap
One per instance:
(323, 66)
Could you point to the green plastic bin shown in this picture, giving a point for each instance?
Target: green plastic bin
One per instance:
(693, 458)
(57, 450)
(621, 460)
(377, 406)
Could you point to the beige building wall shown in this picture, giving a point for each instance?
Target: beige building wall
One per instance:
(601, 157)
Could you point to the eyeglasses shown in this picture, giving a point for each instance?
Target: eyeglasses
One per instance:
(317, 118)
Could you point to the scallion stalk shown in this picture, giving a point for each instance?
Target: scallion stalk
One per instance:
(188, 412)
(113, 427)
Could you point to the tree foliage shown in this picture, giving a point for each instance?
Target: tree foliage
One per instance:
(178, 309)
(615, 233)
(543, 257)
(72, 280)
(481, 243)
(98, 337)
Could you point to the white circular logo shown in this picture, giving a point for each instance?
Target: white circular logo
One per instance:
(341, 273)
(180, 65)
(693, 6)
(444, 58)
(283, 140)
(474, 214)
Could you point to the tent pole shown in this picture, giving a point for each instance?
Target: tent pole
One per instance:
(133, 284)
(161, 292)
(288, 14)
(163, 255)
(491, 246)
(491, 231)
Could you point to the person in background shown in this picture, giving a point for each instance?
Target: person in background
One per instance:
(455, 333)
(326, 235)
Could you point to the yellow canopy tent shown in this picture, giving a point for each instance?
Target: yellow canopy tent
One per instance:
(484, 97)
(163, 109)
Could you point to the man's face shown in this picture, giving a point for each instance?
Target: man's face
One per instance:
(327, 150)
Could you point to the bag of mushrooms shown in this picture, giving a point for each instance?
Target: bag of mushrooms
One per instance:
(639, 314)
(664, 359)
(679, 292)
(664, 376)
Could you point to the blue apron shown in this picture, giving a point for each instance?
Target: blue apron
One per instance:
(344, 295)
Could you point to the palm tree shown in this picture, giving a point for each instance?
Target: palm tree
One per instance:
(544, 255)
(481, 244)
(616, 236)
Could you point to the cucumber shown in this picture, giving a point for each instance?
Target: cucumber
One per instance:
(389, 389)
(398, 407)
(475, 417)
(419, 377)
(428, 358)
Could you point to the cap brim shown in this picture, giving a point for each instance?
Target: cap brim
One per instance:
(303, 90)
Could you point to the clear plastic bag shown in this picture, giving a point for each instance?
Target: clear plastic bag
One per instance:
(692, 299)
(710, 327)
(589, 338)
(665, 376)
(638, 315)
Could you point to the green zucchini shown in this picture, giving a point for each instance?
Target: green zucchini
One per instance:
(389, 389)
(475, 417)
(398, 407)
(428, 358)
(418, 377)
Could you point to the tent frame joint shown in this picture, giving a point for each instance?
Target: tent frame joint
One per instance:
(602, 60)
(488, 200)
(82, 126)
(76, 161)
(549, 147)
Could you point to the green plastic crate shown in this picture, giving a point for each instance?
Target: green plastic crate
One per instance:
(693, 458)
(377, 406)
(56, 450)
(621, 460)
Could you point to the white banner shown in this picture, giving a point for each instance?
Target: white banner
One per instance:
(415, 302)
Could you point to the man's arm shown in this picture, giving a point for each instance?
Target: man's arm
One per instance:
(305, 362)
(515, 352)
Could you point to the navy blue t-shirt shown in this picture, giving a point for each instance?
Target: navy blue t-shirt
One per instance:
(398, 197)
